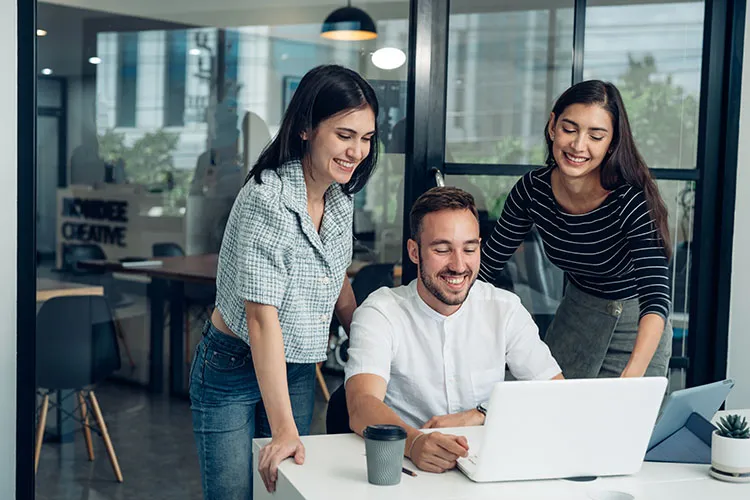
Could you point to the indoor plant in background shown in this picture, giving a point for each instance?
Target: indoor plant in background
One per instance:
(730, 450)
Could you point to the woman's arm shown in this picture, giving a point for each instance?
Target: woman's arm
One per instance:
(509, 232)
(650, 328)
(651, 271)
(345, 305)
(270, 368)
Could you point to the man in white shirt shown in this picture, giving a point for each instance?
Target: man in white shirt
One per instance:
(428, 354)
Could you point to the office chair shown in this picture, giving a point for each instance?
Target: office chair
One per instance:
(73, 253)
(337, 414)
(367, 280)
(75, 357)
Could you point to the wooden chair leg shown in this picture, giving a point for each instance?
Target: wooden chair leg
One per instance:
(40, 431)
(322, 382)
(86, 429)
(105, 435)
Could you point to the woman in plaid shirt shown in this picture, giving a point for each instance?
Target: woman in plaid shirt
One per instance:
(281, 276)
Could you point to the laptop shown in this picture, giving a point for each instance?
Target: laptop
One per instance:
(563, 429)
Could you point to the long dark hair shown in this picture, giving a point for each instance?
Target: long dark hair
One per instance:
(623, 164)
(323, 92)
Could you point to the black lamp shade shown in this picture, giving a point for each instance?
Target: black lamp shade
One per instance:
(349, 23)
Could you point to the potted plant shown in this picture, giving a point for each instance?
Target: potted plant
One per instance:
(730, 450)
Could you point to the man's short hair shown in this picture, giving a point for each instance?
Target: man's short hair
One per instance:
(435, 200)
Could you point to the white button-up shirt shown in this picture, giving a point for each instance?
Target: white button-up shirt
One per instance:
(437, 365)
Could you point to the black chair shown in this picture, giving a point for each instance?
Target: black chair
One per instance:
(72, 254)
(337, 414)
(367, 280)
(167, 250)
(370, 278)
(74, 358)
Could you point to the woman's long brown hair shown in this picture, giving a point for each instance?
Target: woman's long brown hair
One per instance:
(624, 164)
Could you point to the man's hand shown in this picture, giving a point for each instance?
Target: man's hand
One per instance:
(436, 452)
(463, 419)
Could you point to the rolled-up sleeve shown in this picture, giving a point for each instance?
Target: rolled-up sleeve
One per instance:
(264, 237)
(372, 344)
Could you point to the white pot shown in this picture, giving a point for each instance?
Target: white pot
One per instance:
(730, 459)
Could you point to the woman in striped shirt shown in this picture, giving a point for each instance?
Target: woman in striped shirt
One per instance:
(603, 222)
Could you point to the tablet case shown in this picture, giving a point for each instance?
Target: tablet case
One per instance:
(691, 444)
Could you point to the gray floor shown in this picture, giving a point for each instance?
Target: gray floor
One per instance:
(153, 438)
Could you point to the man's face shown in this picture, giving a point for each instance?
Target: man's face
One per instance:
(447, 256)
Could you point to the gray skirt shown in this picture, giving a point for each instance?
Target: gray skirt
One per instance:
(592, 337)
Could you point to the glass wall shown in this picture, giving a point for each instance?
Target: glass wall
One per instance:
(149, 120)
(506, 66)
(652, 52)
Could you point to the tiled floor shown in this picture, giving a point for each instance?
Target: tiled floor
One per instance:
(153, 438)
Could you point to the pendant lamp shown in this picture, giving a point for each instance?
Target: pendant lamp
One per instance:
(349, 24)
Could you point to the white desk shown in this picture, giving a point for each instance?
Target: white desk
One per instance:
(335, 469)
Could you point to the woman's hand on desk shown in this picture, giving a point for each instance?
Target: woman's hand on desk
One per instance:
(271, 455)
(437, 452)
(463, 419)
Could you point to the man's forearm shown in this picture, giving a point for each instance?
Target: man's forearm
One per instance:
(367, 410)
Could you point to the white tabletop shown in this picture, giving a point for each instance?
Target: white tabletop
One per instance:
(335, 469)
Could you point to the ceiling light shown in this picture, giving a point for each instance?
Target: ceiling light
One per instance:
(95, 60)
(388, 58)
(41, 32)
(194, 52)
(46, 71)
(350, 24)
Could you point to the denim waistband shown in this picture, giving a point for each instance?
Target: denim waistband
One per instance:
(228, 343)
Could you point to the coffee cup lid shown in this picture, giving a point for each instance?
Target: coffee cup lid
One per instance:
(384, 432)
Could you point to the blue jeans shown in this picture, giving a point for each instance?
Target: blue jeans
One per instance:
(228, 412)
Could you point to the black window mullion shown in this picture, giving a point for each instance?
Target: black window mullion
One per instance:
(425, 120)
(716, 160)
(579, 32)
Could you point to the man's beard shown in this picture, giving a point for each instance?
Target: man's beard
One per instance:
(433, 288)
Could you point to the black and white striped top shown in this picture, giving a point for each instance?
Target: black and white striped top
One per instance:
(612, 252)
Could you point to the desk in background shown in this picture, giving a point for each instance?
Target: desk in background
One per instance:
(167, 283)
(335, 469)
(48, 288)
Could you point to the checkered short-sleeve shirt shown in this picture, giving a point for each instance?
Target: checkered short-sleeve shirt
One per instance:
(271, 254)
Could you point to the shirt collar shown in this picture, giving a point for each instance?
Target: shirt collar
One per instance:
(294, 194)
